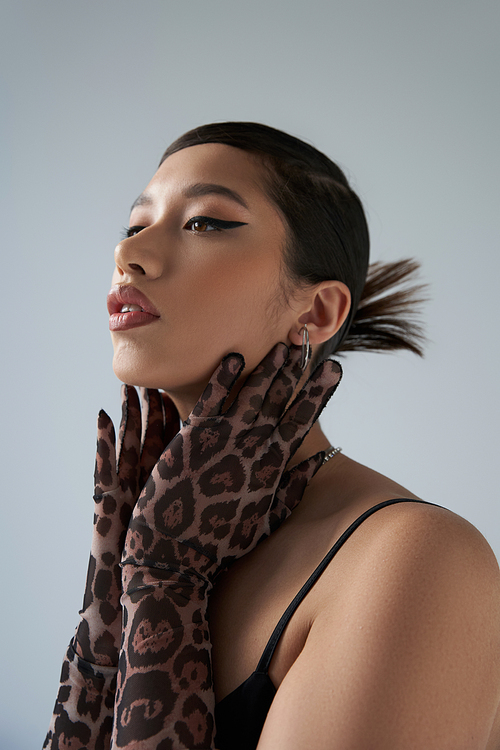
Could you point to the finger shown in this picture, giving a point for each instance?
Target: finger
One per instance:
(292, 487)
(219, 386)
(105, 477)
(309, 403)
(281, 391)
(129, 441)
(152, 431)
(251, 397)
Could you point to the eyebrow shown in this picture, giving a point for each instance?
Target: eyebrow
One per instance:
(196, 190)
(143, 200)
(209, 188)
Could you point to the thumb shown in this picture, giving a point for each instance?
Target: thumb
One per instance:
(292, 487)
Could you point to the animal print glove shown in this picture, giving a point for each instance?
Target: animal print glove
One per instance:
(219, 488)
(83, 712)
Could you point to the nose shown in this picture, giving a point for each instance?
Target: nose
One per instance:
(137, 256)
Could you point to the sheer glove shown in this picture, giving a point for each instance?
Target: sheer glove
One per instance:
(84, 707)
(218, 489)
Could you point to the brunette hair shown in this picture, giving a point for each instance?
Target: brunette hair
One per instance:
(327, 237)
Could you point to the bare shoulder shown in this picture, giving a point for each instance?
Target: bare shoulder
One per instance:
(400, 538)
(409, 556)
(421, 535)
(404, 644)
(404, 534)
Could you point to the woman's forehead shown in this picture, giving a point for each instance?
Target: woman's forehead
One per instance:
(209, 169)
(213, 163)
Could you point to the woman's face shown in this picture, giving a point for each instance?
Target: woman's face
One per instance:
(207, 288)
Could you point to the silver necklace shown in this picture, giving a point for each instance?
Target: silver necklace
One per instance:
(331, 452)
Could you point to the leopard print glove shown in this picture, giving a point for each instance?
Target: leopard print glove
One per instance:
(218, 489)
(83, 712)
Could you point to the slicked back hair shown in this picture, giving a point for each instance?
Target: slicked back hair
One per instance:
(327, 237)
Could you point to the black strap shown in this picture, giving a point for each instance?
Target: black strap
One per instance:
(267, 655)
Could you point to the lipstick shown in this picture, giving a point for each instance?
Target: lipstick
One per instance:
(129, 308)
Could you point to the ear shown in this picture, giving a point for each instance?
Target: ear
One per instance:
(327, 308)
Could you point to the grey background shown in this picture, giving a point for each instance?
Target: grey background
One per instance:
(404, 95)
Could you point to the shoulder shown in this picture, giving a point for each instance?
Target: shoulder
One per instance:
(407, 552)
(418, 555)
(426, 529)
(409, 533)
(405, 639)
(404, 537)
(412, 537)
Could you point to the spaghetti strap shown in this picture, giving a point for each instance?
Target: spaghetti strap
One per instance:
(240, 716)
(267, 655)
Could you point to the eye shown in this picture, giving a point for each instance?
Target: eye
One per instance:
(131, 231)
(203, 224)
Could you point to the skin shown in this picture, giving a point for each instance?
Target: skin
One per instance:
(398, 643)
(199, 282)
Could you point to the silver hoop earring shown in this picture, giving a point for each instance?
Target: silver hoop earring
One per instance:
(306, 349)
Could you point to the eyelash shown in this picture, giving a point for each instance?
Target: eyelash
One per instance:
(218, 225)
(127, 232)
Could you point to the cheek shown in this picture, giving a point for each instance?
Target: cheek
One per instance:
(252, 318)
(238, 291)
(210, 309)
(240, 315)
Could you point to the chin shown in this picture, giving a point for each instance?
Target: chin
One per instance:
(132, 371)
(137, 364)
(146, 373)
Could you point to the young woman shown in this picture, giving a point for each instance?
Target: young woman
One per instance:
(365, 618)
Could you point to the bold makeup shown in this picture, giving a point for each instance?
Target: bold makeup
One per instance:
(129, 308)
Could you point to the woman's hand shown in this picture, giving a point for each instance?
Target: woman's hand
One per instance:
(221, 482)
(218, 489)
(83, 712)
(119, 477)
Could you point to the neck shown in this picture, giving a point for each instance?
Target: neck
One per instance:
(314, 441)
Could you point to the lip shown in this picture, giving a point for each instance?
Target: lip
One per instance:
(125, 294)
